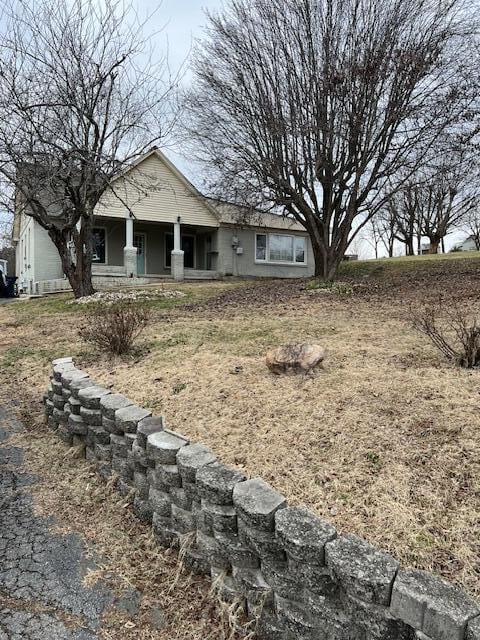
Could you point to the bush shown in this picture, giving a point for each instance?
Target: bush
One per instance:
(114, 328)
(453, 331)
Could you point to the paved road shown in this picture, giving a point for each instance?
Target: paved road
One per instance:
(41, 592)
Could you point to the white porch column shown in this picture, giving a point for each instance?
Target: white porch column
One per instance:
(177, 262)
(129, 251)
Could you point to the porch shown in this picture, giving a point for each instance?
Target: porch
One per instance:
(149, 250)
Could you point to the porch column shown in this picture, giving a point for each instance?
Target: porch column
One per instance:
(178, 272)
(129, 251)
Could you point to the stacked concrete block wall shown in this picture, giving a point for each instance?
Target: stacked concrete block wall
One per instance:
(295, 575)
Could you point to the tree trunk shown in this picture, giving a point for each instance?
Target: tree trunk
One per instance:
(78, 272)
(326, 263)
(434, 244)
(409, 246)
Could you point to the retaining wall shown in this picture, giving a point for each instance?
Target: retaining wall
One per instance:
(295, 575)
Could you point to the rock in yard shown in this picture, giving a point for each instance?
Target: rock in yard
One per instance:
(295, 358)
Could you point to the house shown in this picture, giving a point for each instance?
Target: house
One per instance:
(155, 224)
(468, 244)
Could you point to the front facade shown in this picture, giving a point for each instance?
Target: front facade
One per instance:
(157, 225)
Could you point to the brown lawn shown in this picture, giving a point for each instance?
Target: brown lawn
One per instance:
(383, 442)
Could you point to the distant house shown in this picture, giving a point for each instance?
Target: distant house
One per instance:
(164, 227)
(467, 245)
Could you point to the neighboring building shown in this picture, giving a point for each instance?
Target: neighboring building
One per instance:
(467, 245)
(4, 267)
(174, 232)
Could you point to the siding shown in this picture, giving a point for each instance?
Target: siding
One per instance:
(48, 265)
(156, 194)
(245, 265)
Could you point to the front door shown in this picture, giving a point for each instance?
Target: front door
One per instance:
(188, 248)
(139, 241)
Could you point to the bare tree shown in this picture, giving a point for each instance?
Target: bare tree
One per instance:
(473, 225)
(308, 107)
(443, 200)
(81, 96)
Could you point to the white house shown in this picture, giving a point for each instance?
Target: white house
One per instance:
(158, 225)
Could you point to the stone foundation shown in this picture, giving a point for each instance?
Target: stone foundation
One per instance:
(293, 573)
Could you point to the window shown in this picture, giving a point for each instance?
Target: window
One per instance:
(275, 247)
(98, 245)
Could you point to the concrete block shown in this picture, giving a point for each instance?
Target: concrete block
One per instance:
(375, 621)
(111, 402)
(164, 534)
(119, 446)
(122, 468)
(363, 570)
(141, 485)
(211, 549)
(191, 458)
(303, 534)
(91, 417)
(70, 376)
(195, 562)
(128, 418)
(76, 384)
(257, 502)
(295, 619)
(99, 434)
(318, 580)
(269, 627)
(59, 416)
(146, 427)
(74, 405)
(111, 426)
(264, 543)
(56, 387)
(77, 425)
(238, 554)
(279, 578)
(222, 518)
(58, 401)
(168, 475)
(215, 483)
(473, 629)
(432, 605)
(182, 521)
(66, 393)
(49, 407)
(91, 396)
(103, 451)
(142, 509)
(180, 498)
(161, 502)
(163, 447)
(139, 455)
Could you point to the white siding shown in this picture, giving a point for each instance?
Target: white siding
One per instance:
(156, 193)
(48, 265)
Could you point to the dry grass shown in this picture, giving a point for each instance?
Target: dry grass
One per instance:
(384, 442)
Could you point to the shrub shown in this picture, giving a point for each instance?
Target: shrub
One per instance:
(114, 328)
(453, 331)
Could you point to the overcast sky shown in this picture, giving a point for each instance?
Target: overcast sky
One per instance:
(178, 23)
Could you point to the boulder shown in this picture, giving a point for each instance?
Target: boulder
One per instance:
(295, 358)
